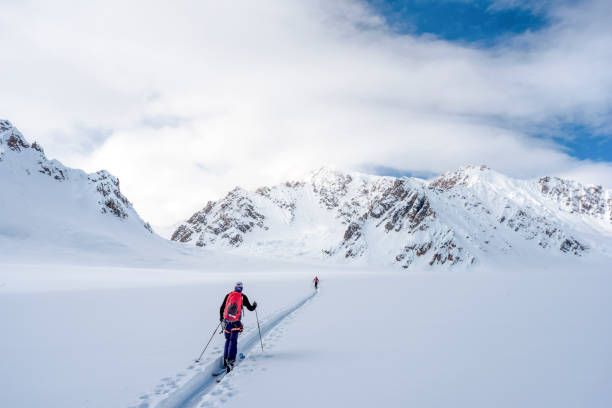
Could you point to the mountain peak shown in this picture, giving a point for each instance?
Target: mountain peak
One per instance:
(28, 166)
(324, 173)
(12, 137)
(466, 175)
(471, 168)
(5, 126)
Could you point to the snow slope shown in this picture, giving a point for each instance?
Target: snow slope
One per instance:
(127, 337)
(49, 211)
(100, 336)
(486, 339)
(188, 391)
(461, 218)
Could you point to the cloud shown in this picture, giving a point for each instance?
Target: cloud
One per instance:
(196, 97)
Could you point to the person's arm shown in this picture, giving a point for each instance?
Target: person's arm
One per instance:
(247, 304)
(222, 309)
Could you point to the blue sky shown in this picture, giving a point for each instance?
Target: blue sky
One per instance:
(466, 21)
(484, 24)
(393, 172)
(582, 142)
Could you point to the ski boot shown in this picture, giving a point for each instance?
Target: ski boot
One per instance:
(230, 365)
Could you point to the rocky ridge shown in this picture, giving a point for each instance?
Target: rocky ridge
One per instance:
(19, 157)
(457, 218)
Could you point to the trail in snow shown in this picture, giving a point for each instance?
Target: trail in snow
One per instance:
(252, 367)
(193, 390)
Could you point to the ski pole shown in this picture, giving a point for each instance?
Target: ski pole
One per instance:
(260, 341)
(205, 347)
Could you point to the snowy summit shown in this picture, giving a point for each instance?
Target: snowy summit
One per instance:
(460, 218)
(57, 206)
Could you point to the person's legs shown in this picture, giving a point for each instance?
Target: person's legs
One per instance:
(227, 344)
(233, 345)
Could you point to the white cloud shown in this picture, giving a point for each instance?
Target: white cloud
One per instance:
(195, 97)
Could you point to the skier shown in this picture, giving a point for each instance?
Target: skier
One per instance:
(230, 314)
(316, 282)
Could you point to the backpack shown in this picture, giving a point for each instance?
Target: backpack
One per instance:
(233, 307)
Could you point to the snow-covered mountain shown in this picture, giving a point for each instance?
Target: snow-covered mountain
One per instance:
(43, 202)
(459, 218)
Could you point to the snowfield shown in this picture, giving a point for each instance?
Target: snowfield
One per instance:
(127, 337)
(483, 340)
(472, 290)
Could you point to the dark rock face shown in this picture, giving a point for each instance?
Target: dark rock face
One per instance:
(225, 221)
(37, 147)
(51, 170)
(351, 243)
(539, 229)
(182, 234)
(112, 201)
(577, 198)
(193, 225)
(571, 245)
(11, 137)
(352, 232)
(111, 206)
(441, 249)
(410, 214)
(390, 197)
(16, 142)
(330, 187)
(391, 205)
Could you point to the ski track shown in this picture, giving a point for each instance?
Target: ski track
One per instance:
(194, 390)
(225, 390)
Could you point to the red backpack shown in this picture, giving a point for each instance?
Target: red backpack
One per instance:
(233, 307)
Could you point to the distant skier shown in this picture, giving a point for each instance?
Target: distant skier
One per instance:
(316, 282)
(230, 314)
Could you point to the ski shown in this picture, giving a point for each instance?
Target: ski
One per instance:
(218, 373)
